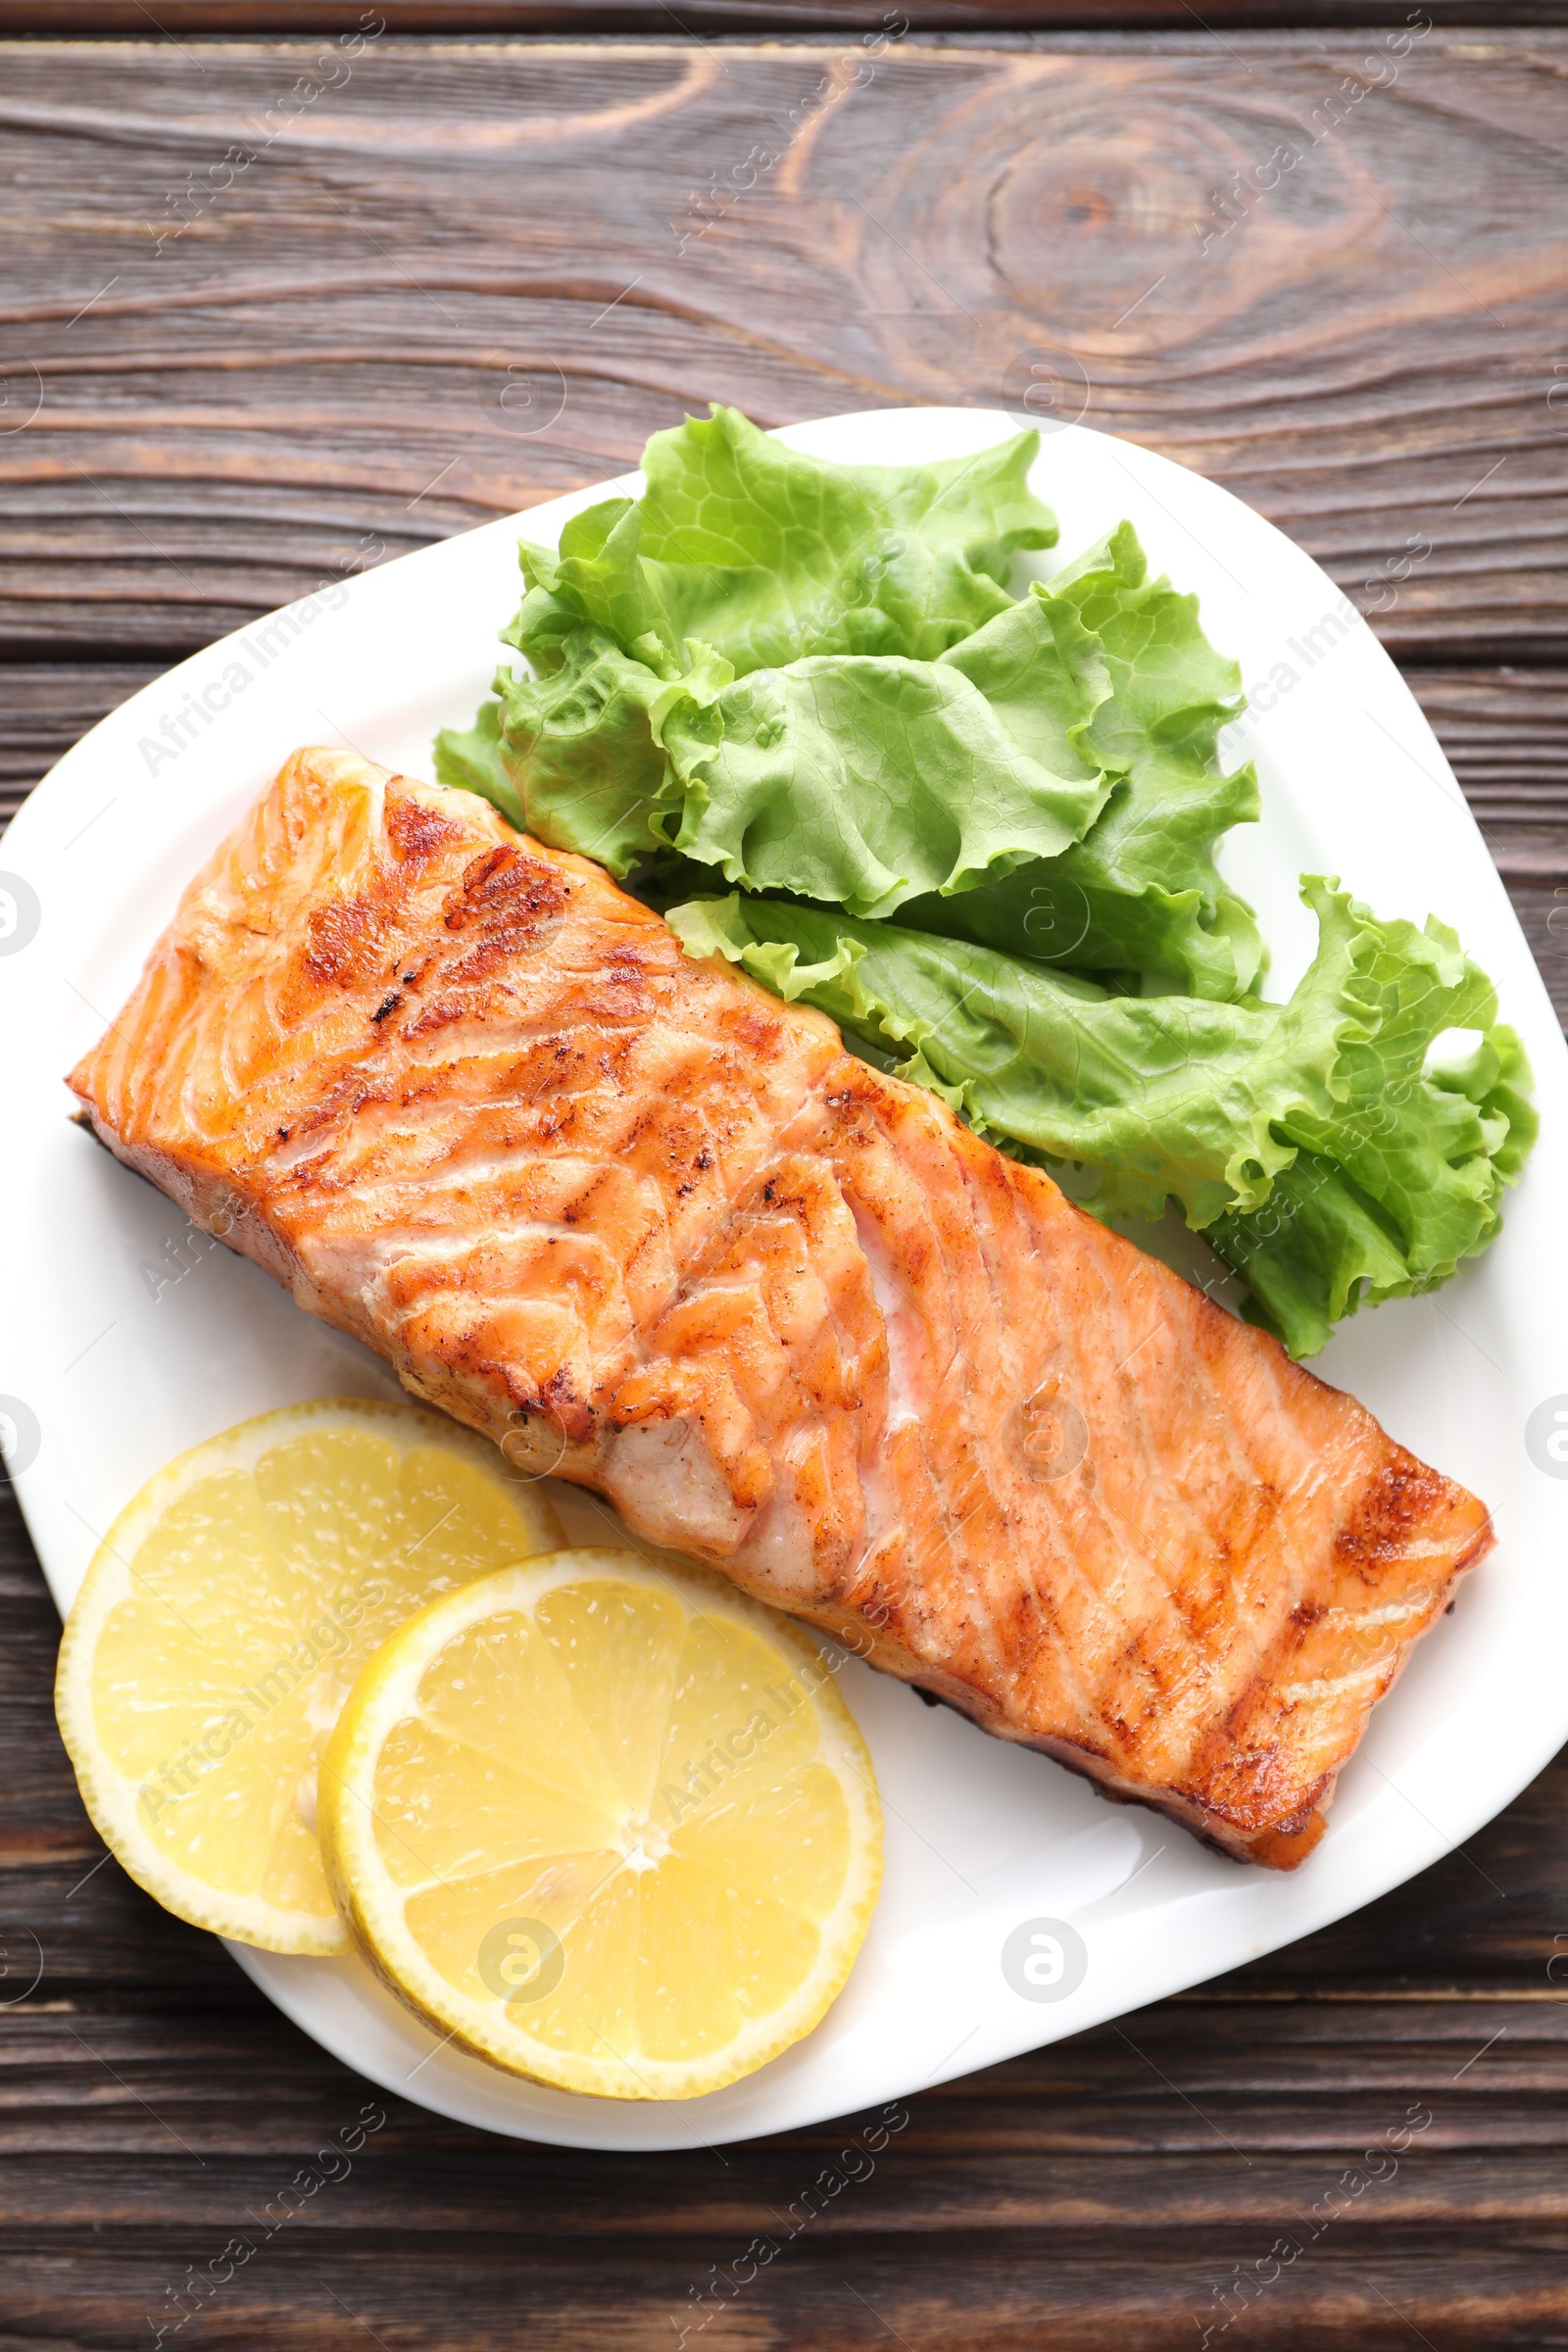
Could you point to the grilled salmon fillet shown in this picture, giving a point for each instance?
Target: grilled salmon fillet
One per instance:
(650, 1228)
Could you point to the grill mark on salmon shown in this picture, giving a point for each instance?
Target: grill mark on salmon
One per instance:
(475, 1106)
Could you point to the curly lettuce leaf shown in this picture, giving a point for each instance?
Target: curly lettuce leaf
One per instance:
(722, 491)
(598, 578)
(1140, 892)
(862, 780)
(472, 759)
(1229, 1109)
(867, 780)
(1406, 1180)
(768, 556)
(1045, 677)
(578, 752)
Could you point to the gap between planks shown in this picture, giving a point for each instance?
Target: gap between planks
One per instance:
(1217, 1999)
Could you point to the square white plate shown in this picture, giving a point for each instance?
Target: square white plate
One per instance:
(124, 1341)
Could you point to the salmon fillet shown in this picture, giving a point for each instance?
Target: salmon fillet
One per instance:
(654, 1230)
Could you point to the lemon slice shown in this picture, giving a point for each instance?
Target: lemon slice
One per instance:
(226, 1615)
(605, 1828)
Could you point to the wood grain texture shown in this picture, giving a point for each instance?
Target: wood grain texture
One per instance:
(314, 376)
(464, 279)
(706, 18)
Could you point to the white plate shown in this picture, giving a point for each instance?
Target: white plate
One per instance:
(119, 1361)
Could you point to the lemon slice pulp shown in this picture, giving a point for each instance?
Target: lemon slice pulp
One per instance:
(606, 1829)
(222, 1619)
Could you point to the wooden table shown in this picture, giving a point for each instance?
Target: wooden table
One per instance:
(276, 309)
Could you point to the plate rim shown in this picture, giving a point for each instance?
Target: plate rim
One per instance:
(1158, 1982)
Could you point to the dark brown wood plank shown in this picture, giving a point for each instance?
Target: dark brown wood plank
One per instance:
(313, 369)
(1506, 732)
(44, 709)
(710, 18)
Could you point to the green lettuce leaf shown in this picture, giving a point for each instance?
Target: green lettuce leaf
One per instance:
(576, 758)
(767, 555)
(866, 780)
(580, 747)
(598, 579)
(1229, 1109)
(1140, 892)
(1406, 1180)
(1045, 678)
(472, 759)
(862, 780)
